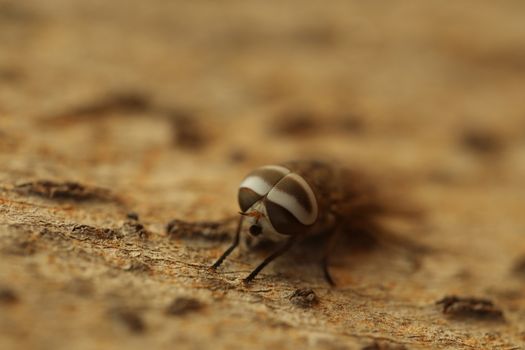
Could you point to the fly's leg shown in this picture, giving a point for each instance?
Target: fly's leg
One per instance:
(283, 249)
(328, 249)
(230, 249)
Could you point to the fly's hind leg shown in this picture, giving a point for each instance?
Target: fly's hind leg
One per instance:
(328, 249)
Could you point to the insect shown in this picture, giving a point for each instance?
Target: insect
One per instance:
(289, 202)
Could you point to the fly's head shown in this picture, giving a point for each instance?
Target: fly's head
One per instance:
(277, 202)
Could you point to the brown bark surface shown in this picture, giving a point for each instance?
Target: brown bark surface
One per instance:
(119, 116)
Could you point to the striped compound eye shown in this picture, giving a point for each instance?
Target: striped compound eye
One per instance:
(289, 201)
(258, 183)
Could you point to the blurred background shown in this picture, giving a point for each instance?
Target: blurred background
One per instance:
(170, 103)
(416, 87)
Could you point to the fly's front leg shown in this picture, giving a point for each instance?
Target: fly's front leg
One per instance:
(283, 249)
(230, 249)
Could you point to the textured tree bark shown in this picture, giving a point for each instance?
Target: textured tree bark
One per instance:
(126, 127)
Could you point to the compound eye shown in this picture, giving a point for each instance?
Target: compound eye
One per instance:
(282, 220)
(247, 197)
(258, 183)
(296, 196)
